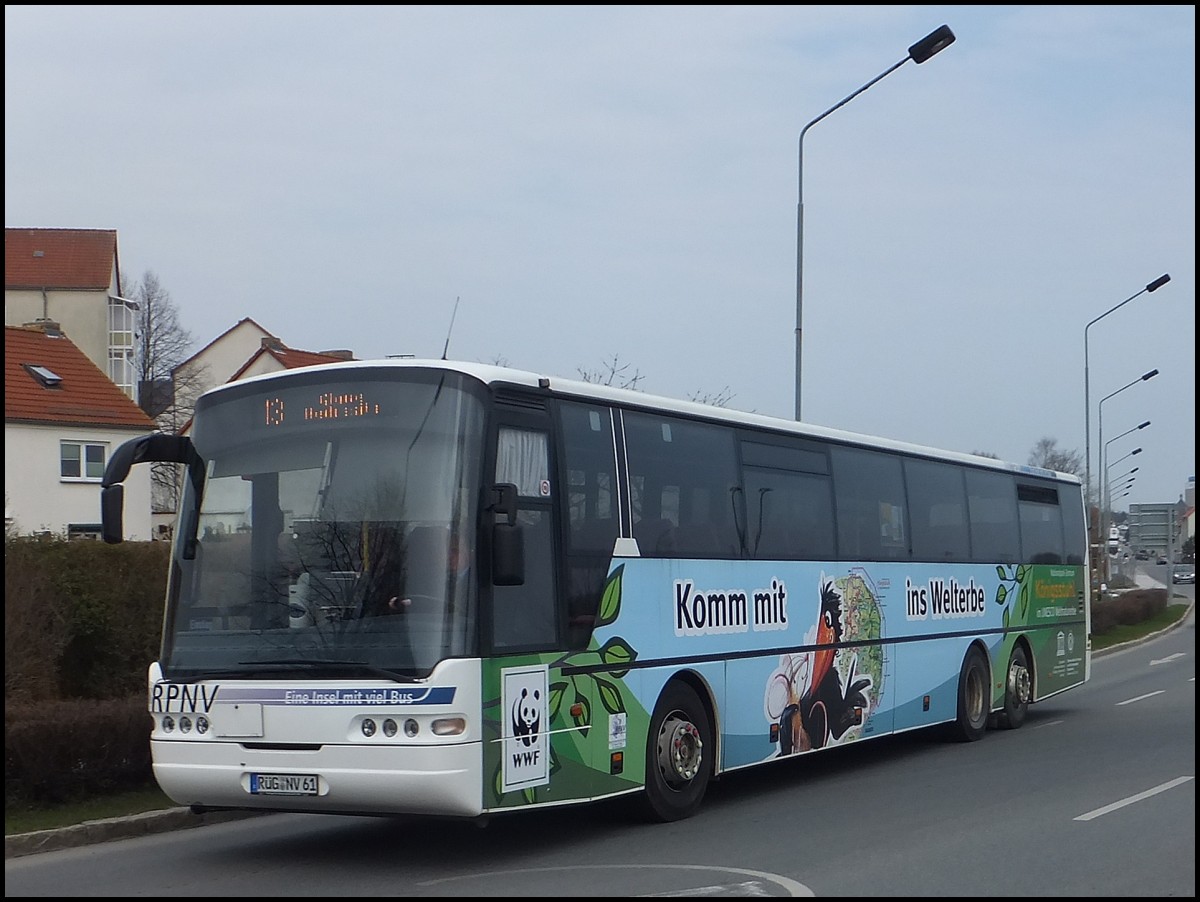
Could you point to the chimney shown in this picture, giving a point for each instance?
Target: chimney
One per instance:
(339, 353)
(271, 343)
(47, 326)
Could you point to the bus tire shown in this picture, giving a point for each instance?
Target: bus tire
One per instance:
(973, 697)
(679, 750)
(1018, 690)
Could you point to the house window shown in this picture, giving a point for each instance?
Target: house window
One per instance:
(81, 461)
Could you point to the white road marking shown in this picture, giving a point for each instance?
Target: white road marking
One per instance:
(790, 887)
(1130, 701)
(1108, 809)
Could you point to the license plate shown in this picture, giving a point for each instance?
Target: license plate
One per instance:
(283, 784)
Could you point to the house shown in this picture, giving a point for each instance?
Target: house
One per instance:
(63, 419)
(245, 349)
(72, 277)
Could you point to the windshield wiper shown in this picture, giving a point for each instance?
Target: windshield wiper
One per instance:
(362, 666)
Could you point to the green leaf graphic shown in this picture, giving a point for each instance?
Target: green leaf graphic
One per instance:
(1021, 571)
(1024, 607)
(1001, 594)
(557, 690)
(1005, 620)
(610, 696)
(617, 651)
(1000, 571)
(610, 601)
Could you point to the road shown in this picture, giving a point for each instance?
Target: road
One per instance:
(1094, 796)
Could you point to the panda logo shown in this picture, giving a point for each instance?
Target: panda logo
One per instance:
(527, 717)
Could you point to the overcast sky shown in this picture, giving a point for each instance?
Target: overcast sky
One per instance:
(619, 182)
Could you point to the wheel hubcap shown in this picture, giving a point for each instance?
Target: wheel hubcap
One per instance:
(1019, 684)
(680, 750)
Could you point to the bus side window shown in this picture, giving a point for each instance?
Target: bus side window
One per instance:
(871, 511)
(684, 472)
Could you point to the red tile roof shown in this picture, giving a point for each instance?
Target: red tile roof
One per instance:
(59, 258)
(290, 358)
(84, 397)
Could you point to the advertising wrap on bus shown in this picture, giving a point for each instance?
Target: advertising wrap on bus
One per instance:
(806, 698)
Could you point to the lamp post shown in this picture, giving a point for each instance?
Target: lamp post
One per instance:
(1087, 404)
(1100, 443)
(934, 42)
(1108, 481)
(1117, 485)
(1104, 450)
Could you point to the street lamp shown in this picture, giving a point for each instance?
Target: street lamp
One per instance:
(1106, 494)
(1087, 404)
(1100, 441)
(1142, 378)
(934, 42)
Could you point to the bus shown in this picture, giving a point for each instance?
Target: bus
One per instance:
(654, 593)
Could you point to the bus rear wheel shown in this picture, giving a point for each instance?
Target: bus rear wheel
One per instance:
(1018, 690)
(678, 755)
(973, 697)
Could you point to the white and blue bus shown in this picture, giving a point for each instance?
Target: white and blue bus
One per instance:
(418, 586)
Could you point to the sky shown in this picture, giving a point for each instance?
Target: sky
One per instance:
(564, 188)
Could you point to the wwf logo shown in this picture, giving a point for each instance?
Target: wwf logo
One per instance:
(527, 717)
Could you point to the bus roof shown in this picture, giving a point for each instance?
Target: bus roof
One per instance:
(493, 375)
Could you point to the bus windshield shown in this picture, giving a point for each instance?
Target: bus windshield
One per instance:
(331, 529)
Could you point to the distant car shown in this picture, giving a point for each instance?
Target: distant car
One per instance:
(1162, 559)
(1183, 573)
(1143, 555)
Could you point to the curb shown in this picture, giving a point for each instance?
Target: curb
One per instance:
(108, 829)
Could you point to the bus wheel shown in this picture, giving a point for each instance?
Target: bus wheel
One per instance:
(1018, 690)
(973, 696)
(678, 755)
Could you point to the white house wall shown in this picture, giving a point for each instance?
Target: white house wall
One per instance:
(82, 316)
(217, 363)
(35, 497)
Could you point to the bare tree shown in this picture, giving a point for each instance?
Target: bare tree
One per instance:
(612, 372)
(718, 399)
(1046, 454)
(986, 454)
(163, 344)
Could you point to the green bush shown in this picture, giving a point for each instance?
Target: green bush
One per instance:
(1126, 609)
(68, 750)
(81, 619)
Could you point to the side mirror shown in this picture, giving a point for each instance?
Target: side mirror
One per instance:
(504, 502)
(508, 554)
